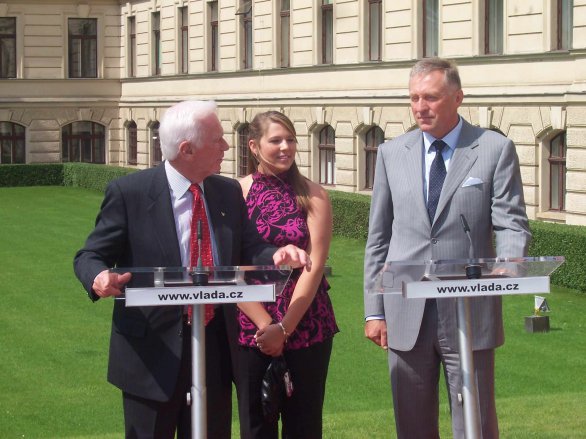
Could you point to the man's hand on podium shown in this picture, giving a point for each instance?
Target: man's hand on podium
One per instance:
(108, 284)
(376, 330)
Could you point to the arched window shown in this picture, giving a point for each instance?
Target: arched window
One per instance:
(156, 154)
(372, 139)
(327, 155)
(83, 141)
(243, 132)
(11, 143)
(557, 172)
(132, 144)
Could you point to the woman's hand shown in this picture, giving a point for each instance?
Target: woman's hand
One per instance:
(271, 340)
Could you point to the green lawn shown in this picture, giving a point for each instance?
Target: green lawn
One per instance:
(54, 341)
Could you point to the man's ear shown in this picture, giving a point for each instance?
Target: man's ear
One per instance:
(185, 148)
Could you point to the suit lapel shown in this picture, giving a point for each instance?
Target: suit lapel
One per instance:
(218, 217)
(161, 215)
(414, 171)
(462, 160)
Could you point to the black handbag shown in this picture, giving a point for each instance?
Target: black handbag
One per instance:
(275, 387)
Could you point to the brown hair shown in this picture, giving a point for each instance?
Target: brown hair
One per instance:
(257, 129)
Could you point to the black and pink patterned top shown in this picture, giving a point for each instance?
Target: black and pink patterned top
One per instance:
(272, 206)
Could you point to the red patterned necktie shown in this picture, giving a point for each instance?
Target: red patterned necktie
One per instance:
(205, 253)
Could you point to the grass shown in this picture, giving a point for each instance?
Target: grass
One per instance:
(54, 341)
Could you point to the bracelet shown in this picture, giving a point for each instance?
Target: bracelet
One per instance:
(285, 333)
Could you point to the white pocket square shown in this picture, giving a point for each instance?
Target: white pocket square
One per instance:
(472, 181)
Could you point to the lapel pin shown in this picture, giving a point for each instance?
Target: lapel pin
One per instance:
(223, 213)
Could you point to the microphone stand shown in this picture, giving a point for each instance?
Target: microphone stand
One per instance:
(197, 397)
(469, 385)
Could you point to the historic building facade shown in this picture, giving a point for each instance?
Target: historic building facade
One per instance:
(88, 80)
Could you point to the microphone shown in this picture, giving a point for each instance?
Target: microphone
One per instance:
(199, 238)
(199, 275)
(473, 271)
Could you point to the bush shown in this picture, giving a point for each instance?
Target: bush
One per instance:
(31, 175)
(551, 239)
(350, 214)
(90, 176)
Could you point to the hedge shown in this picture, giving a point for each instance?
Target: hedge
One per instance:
(350, 213)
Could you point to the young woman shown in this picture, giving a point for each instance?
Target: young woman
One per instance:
(287, 209)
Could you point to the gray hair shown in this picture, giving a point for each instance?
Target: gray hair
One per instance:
(182, 122)
(428, 65)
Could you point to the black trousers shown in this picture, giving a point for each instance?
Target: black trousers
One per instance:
(146, 419)
(301, 416)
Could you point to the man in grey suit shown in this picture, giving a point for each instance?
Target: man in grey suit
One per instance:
(145, 221)
(424, 180)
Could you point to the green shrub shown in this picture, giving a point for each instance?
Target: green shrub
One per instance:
(551, 239)
(350, 214)
(31, 175)
(90, 176)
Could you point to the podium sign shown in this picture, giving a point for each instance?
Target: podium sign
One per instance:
(196, 286)
(199, 295)
(447, 278)
(497, 286)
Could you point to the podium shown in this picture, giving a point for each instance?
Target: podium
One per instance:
(464, 279)
(198, 286)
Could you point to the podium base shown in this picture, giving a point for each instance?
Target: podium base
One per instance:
(537, 324)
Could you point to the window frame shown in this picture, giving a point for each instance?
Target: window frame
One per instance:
(8, 56)
(375, 34)
(327, 155)
(183, 14)
(242, 136)
(156, 152)
(86, 68)
(327, 32)
(429, 29)
(557, 172)
(285, 34)
(15, 142)
(132, 47)
(564, 24)
(373, 137)
(93, 138)
(132, 130)
(156, 43)
(493, 27)
(214, 35)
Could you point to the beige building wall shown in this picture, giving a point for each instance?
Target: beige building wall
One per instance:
(530, 92)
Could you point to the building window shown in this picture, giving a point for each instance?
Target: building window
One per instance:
(132, 47)
(83, 142)
(156, 154)
(430, 28)
(372, 139)
(493, 27)
(214, 41)
(285, 27)
(156, 43)
(557, 172)
(7, 47)
(564, 24)
(245, 12)
(11, 143)
(327, 32)
(243, 151)
(327, 155)
(184, 39)
(374, 29)
(132, 144)
(83, 48)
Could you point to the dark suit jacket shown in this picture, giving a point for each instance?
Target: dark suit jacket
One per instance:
(136, 228)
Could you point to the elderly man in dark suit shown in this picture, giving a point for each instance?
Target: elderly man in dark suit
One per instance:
(424, 180)
(145, 221)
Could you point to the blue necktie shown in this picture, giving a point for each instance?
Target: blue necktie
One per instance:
(437, 175)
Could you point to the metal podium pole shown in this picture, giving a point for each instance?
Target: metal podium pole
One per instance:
(197, 396)
(469, 387)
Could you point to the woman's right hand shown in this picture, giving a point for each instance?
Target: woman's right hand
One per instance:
(271, 340)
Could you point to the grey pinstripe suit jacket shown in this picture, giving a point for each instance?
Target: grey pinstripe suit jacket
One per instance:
(399, 227)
